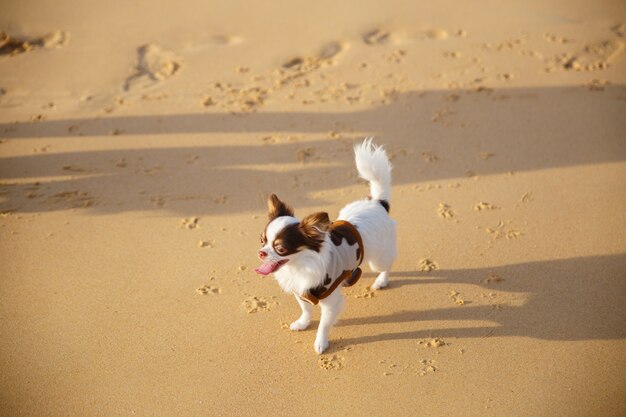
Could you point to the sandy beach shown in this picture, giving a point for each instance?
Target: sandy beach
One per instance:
(139, 142)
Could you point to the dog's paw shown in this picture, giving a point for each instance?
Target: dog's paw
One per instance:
(381, 281)
(378, 285)
(299, 325)
(320, 345)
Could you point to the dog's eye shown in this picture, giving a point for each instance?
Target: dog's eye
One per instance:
(280, 250)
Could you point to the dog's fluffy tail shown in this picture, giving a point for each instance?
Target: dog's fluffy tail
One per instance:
(374, 167)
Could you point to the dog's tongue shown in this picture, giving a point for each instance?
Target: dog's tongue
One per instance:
(266, 268)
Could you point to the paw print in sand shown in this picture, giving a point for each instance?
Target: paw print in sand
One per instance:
(255, 304)
(208, 289)
(331, 362)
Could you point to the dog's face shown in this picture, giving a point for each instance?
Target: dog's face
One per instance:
(285, 237)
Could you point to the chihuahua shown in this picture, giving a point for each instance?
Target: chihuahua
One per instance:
(312, 257)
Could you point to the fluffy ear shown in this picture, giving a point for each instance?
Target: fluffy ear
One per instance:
(277, 208)
(315, 225)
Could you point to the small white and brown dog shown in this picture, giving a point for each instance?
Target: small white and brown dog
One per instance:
(312, 257)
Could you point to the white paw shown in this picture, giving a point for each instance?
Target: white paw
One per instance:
(299, 325)
(320, 345)
(381, 281)
(378, 284)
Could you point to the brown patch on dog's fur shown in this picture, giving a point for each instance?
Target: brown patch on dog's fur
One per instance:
(291, 239)
(337, 234)
(277, 208)
(307, 234)
(318, 291)
(315, 225)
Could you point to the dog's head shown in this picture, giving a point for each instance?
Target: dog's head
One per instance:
(285, 237)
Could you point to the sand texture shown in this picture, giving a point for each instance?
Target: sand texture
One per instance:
(138, 144)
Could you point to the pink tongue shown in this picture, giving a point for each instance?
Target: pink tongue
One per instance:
(267, 268)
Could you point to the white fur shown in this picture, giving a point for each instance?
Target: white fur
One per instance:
(307, 269)
(331, 307)
(276, 225)
(378, 232)
(374, 167)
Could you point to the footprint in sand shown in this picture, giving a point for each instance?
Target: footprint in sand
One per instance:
(427, 265)
(208, 289)
(452, 54)
(619, 30)
(597, 84)
(445, 211)
(325, 55)
(332, 49)
(396, 56)
(482, 206)
(493, 279)
(73, 199)
(592, 57)
(389, 365)
(367, 293)
(154, 65)
(429, 157)
(190, 223)
(331, 362)
(501, 230)
(551, 37)
(256, 304)
(456, 297)
(305, 155)
(409, 35)
(12, 46)
(159, 201)
(376, 37)
(432, 343)
(442, 117)
(220, 199)
(56, 39)
(427, 367)
(208, 101)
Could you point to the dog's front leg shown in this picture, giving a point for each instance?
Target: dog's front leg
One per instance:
(331, 307)
(304, 320)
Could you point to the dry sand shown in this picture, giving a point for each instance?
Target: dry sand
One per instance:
(138, 141)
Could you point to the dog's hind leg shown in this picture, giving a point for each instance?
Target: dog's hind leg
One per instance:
(383, 267)
(382, 256)
(382, 280)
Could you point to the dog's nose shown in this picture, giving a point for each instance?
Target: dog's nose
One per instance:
(262, 254)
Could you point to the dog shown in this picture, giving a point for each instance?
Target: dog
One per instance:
(312, 257)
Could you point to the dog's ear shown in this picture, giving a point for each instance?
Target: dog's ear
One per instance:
(277, 208)
(315, 225)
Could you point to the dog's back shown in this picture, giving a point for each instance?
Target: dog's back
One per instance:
(371, 215)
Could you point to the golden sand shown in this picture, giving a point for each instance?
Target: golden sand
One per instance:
(138, 143)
